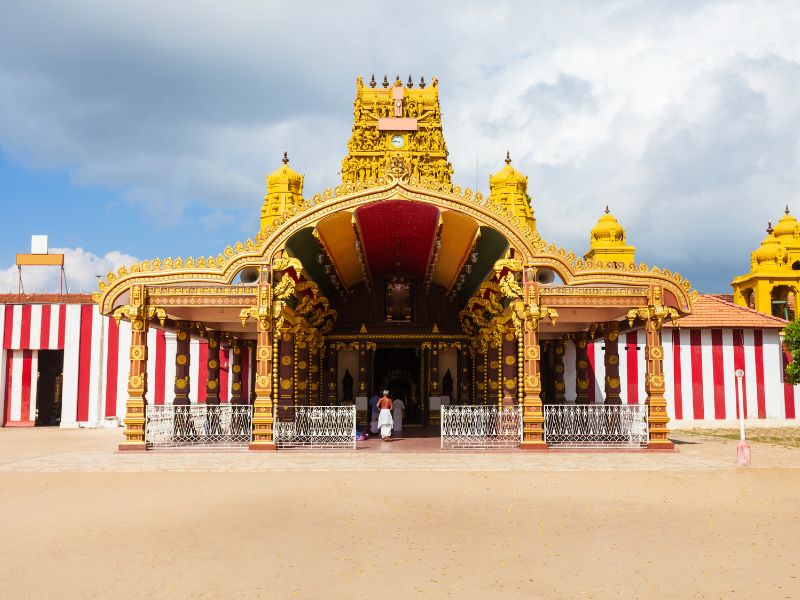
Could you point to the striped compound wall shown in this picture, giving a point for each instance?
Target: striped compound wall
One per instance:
(699, 368)
(95, 371)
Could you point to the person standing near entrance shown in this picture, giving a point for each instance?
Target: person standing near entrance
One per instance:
(385, 417)
(398, 406)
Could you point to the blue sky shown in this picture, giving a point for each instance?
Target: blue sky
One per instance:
(144, 129)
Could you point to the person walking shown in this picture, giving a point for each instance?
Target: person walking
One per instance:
(385, 420)
(398, 406)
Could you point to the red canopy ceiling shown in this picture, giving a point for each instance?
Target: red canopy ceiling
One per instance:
(397, 236)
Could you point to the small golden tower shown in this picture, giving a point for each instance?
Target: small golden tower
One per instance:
(607, 242)
(509, 188)
(284, 190)
(774, 278)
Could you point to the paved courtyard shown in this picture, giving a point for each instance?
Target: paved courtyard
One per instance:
(81, 520)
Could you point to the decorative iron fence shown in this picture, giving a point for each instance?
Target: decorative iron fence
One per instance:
(221, 426)
(480, 427)
(595, 426)
(317, 427)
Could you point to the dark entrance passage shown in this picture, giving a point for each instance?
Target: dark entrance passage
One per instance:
(398, 370)
(48, 390)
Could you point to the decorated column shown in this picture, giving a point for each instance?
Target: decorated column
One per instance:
(237, 396)
(436, 390)
(558, 372)
(581, 367)
(212, 367)
(331, 374)
(286, 374)
(301, 374)
(528, 313)
(263, 414)
(138, 312)
(509, 368)
(182, 366)
(653, 317)
(611, 361)
(654, 387)
(462, 379)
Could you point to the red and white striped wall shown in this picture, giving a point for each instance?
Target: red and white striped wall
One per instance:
(699, 366)
(95, 376)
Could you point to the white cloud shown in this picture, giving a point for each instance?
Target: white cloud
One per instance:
(81, 269)
(682, 116)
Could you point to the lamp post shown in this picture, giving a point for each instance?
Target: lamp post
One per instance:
(743, 449)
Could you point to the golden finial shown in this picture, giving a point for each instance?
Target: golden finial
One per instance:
(372, 82)
(606, 208)
(508, 157)
(786, 212)
(422, 83)
(410, 83)
(385, 81)
(285, 158)
(769, 226)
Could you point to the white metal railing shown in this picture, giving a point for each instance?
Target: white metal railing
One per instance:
(222, 426)
(480, 427)
(317, 427)
(595, 426)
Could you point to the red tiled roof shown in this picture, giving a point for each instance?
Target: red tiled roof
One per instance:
(45, 299)
(713, 311)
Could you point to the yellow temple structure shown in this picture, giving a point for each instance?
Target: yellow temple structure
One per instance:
(396, 277)
(773, 281)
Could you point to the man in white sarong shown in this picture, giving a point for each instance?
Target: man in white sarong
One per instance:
(398, 406)
(385, 416)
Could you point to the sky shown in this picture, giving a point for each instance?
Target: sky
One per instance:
(143, 129)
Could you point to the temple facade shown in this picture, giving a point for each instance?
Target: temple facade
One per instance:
(395, 278)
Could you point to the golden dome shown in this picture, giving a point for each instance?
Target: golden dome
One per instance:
(607, 242)
(285, 179)
(787, 227)
(508, 176)
(770, 252)
(607, 231)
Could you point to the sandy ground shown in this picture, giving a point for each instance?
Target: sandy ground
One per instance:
(79, 520)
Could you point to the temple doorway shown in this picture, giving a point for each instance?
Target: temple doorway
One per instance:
(398, 370)
(48, 389)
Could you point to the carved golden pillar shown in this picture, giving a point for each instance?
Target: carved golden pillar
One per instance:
(581, 367)
(301, 374)
(532, 413)
(286, 351)
(236, 372)
(558, 371)
(434, 366)
(509, 368)
(611, 361)
(182, 366)
(137, 312)
(654, 386)
(462, 365)
(332, 374)
(212, 366)
(314, 371)
(263, 411)
(483, 372)
(494, 374)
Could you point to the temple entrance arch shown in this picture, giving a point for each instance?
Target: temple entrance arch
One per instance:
(397, 369)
